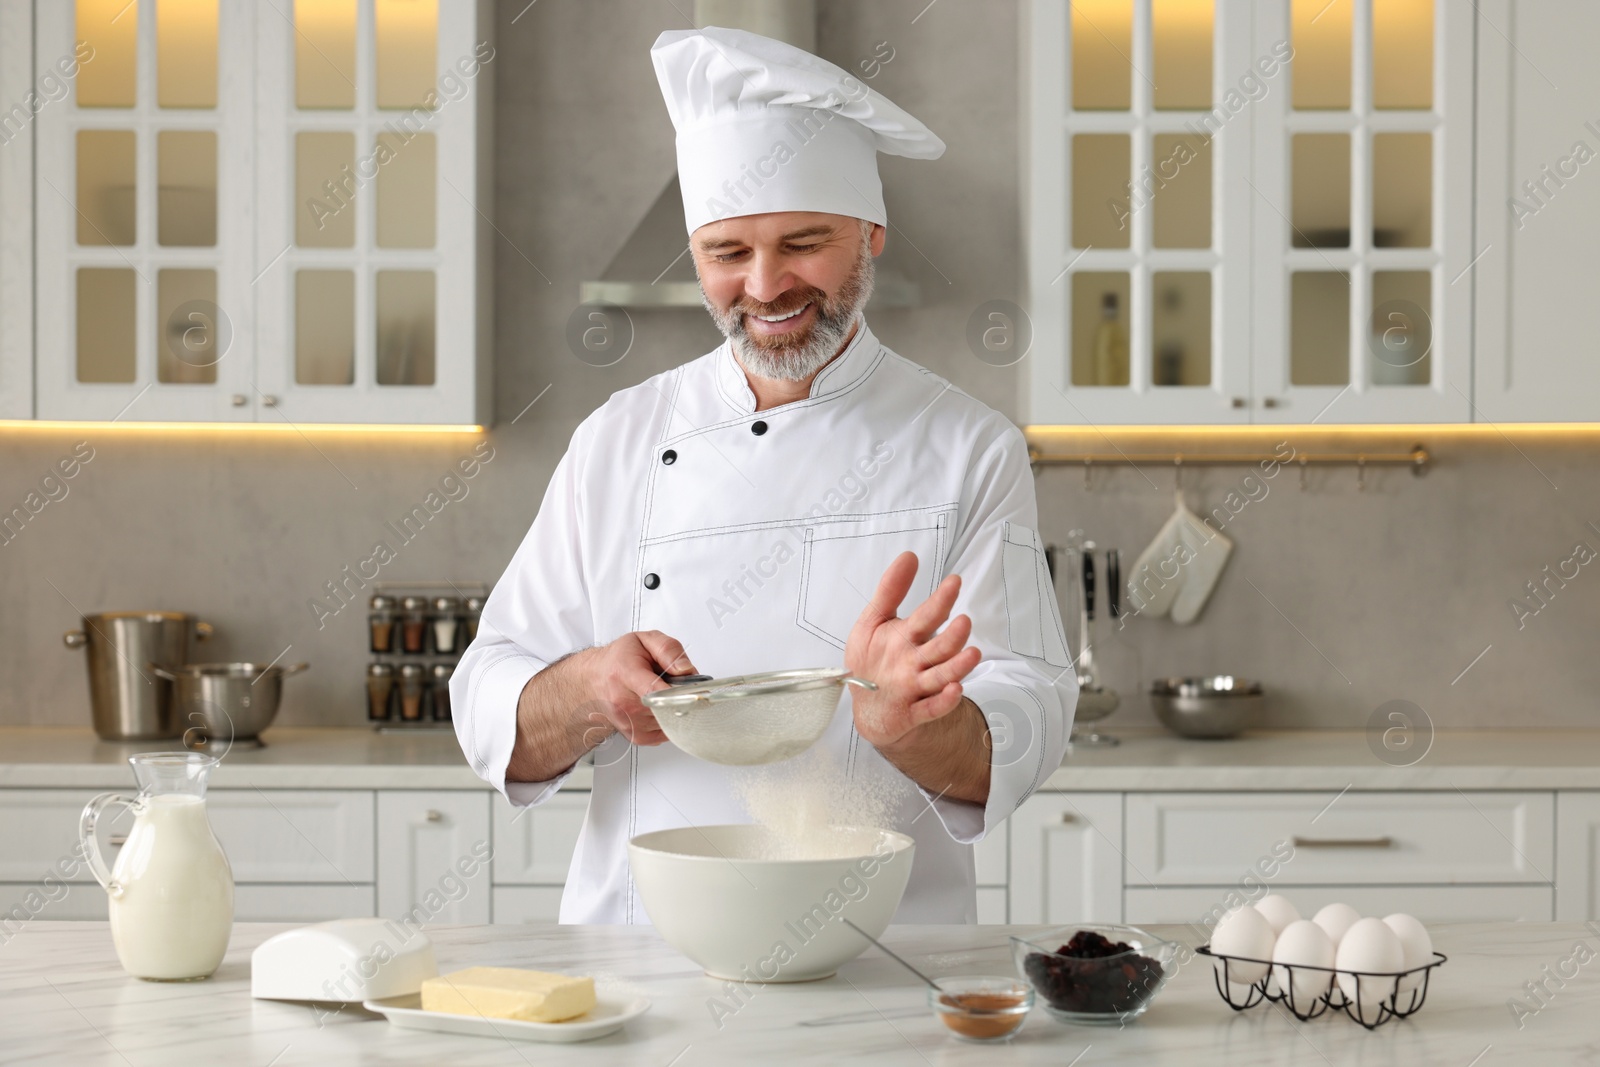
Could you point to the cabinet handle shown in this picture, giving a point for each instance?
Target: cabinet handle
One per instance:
(1240, 402)
(1269, 401)
(1344, 842)
(118, 840)
(1068, 818)
(434, 816)
(239, 400)
(269, 401)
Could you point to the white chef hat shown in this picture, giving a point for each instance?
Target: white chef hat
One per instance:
(764, 126)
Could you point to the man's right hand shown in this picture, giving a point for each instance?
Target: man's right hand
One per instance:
(622, 672)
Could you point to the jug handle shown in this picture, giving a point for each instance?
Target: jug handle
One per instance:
(89, 848)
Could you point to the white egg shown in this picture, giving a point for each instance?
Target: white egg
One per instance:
(1302, 945)
(1244, 931)
(1369, 946)
(1278, 911)
(1335, 919)
(1418, 949)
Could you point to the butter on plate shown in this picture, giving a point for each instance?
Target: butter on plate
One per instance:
(509, 993)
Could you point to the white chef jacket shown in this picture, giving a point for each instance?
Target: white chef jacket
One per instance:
(755, 539)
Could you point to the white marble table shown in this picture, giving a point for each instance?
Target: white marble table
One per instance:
(64, 1000)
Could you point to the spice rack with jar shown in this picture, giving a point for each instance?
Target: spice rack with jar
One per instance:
(416, 632)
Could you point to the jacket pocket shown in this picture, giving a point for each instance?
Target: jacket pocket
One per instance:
(845, 559)
(1033, 617)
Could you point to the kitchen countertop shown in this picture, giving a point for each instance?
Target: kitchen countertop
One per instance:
(327, 758)
(65, 1000)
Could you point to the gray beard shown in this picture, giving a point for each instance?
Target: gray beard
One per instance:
(796, 359)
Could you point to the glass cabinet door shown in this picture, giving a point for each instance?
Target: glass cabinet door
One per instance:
(1140, 273)
(1361, 214)
(366, 106)
(143, 284)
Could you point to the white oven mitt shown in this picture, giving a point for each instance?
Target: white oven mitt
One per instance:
(1155, 578)
(1169, 578)
(1211, 551)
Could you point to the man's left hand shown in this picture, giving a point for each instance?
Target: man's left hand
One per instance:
(918, 670)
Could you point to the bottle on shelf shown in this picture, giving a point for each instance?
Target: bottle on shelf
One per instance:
(439, 690)
(413, 684)
(446, 620)
(380, 623)
(1110, 344)
(380, 692)
(414, 625)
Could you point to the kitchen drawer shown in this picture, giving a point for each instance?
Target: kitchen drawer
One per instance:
(302, 903)
(251, 903)
(39, 829)
(527, 903)
(269, 835)
(295, 835)
(21, 902)
(1231, 839)
(1200, 906)
(534, 846)
(992, 906)
(433, 849)
(993, 857)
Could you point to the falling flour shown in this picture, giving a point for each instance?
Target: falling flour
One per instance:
(813, 809)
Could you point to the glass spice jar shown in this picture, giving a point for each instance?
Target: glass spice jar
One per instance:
(440, 690)
(469, 621)
(413, 683)
(414, 625)
(446, 624)
(380, 692)
(380, 624)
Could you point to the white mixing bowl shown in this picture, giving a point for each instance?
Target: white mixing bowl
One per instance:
(716, 898)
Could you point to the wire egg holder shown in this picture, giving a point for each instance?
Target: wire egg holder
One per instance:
(1267, 988)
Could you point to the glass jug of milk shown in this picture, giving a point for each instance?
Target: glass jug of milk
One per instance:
(171, 887)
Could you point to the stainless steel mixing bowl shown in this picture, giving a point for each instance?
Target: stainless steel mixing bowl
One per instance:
(1215, 707)
(225, 702)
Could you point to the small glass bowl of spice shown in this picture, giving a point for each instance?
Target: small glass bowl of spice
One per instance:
(981, 1008)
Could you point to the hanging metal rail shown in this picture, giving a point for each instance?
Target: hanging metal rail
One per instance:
(1418, 459)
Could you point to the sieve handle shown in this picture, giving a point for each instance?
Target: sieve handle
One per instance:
(851, 679)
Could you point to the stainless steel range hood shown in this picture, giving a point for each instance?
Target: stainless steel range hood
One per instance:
(653, 268)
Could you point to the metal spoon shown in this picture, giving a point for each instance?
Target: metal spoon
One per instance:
(885, 950)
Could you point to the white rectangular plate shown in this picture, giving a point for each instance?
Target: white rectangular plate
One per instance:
(612, 1009)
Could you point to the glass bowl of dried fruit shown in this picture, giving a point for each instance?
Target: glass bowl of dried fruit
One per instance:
(1096, 974)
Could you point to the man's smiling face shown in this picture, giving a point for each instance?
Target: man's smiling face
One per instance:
(786, 287)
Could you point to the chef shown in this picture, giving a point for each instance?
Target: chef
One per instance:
(799, 497)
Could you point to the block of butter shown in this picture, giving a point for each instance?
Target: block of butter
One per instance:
(509, 993)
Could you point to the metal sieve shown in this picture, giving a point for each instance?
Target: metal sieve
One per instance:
(750, 718)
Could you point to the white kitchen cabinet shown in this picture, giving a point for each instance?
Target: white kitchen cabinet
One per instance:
(1200, 906)
(994, 906)
(433, 852)
(1099, 141)
(1220, 839)
(1577, 856)
(39, 834)
(302, 903)
(527, 903)
(23, 98)
(1538, 206)
(1362, 214)
(1066, 859)
(1270, 201)
(299, 835)
(243, 214)
(534, 846)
